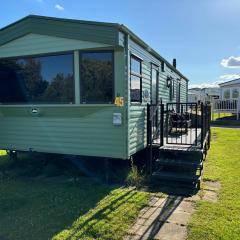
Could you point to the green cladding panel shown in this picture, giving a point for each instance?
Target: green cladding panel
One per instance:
(80, 130)
(138, 113)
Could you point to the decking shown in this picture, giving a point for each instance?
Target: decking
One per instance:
(177, 150)
(182, 140)
(226, 106)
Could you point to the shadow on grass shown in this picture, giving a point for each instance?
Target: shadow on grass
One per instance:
(45, 198)
(110, 219)
(226, 121)
(35, 206)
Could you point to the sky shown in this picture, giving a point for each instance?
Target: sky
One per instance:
(204, 36)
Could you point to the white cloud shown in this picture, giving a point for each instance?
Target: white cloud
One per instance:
(59, 7)
(229, 77)
(231, 62)
(204, 85)
(221, 79)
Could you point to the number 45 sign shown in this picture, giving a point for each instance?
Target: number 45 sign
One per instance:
(119, 101)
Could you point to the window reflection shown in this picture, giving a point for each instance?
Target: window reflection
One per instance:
(226, 94)
(136, 79)
(45, 79)
(235, 93)
(97, 77)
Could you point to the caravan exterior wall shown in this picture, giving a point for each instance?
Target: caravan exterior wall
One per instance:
(137, 121)
(80, 121)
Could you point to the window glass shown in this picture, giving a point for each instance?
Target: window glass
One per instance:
(173, 88)
(136, 80)
(154, 85)
(235, 93)
(135, 65)
(162, 66)
(135, 89)
(226, 94)
(97, 77)
(45, 79)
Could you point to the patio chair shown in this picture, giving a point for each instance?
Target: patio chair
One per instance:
(179, 121)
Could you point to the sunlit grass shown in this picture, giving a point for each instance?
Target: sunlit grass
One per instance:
(2, 152)
(36, 207)
(221, 115)
(110, 219)
(225, 119)
(213, 221)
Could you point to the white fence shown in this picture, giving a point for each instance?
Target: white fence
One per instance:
(226, 106)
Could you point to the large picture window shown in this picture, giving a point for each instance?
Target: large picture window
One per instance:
(97, 77)
(40, 79)
(136, 79)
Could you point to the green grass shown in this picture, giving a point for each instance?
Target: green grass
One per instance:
(109, 219)
(225, 119)
(216, 116)
(221, 220)
(36, 207)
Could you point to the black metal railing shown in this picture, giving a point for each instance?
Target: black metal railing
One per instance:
(178, 124)
(155, 121)
(205, 124)
(182, 123)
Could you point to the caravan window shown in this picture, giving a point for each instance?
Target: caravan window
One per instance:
(235, 93)
(40, 79)
(226, 94)
(97, 77)
(136, 79)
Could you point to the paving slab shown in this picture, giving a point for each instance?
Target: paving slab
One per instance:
(185, 206)
(210, 196)
(180, 218)
(160, 202)
(150, 212)
(193, 198)
(212, 185)
(171, 231)
(163, 218)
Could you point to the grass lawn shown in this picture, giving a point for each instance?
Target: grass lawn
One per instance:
(213, 221)
(40, 207)
(227, 119)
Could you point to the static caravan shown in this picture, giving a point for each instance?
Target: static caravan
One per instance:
(80, 87)
(229, 101)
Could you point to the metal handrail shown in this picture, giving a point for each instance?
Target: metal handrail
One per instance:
(153, 114)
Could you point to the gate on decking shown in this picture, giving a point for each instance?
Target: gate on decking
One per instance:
(182, 135)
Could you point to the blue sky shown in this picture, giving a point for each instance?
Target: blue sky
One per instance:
(203, 35)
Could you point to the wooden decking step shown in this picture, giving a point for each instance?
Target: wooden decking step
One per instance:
(176, 176)
(180, 148)
(178, 163)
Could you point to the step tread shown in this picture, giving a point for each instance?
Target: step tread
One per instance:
(178, 162)
(176, 176)
(181, 148)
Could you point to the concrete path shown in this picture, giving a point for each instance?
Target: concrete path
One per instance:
(167, 218)
(163, 218)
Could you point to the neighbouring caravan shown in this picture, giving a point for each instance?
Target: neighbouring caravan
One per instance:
(80, 87)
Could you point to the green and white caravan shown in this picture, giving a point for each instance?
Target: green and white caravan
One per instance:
(80, 87)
